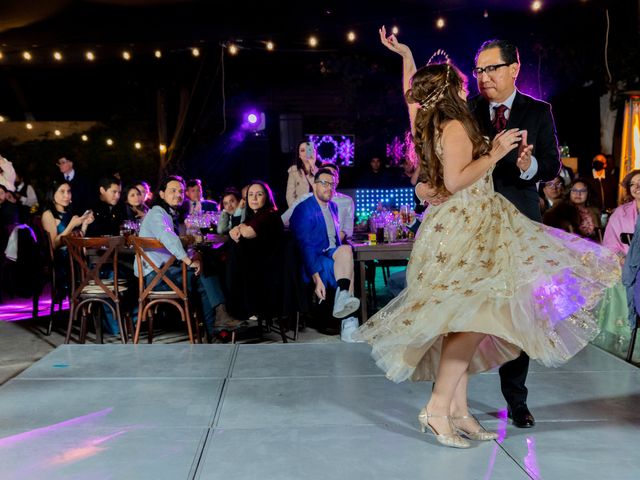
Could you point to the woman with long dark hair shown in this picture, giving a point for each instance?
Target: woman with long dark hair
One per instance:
(135, 208)
(300, 180)
(254, 263)
(484, 282)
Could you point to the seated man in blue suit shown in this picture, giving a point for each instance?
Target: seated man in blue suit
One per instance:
(315, 224)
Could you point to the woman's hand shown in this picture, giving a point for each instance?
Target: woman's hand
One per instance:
(427, 194)
(87, 218)
(76, 221)
(391, 42)
(234, 233)
(504, 142)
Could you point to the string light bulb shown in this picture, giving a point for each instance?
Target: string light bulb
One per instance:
(2, 119)
(486, 14)
(57, 132)
(163, 148)
(233, 49)
(109, 142)
(126, 55)
(195, 52)
(440, 23)
(84, 138)
(89, 55)
(57, 56)
(1, 55)
(29, 126)
(313, 41)
(395, 30)
(157, 54)
(351, 36)
(536, 6)
(137, 145)
(270, 46)
(27, 56)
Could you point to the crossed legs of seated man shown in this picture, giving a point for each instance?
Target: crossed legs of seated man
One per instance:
(337, 272)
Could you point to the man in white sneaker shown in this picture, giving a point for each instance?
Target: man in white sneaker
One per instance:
(315, 224)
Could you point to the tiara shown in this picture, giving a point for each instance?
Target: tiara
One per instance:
(435, 96)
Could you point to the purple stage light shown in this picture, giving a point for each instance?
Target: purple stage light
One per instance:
(253, 120)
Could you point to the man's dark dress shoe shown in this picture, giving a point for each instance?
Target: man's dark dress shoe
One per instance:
(521, 416)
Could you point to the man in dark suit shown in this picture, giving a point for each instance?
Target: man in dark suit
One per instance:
(501, 106)
(80, 187)
(194, 203)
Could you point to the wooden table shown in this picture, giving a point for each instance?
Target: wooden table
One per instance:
(386, 251)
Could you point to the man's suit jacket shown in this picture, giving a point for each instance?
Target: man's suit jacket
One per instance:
(535, 117)
(82, 193)
(308, 226)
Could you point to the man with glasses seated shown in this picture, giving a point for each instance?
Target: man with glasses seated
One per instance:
(327, 262)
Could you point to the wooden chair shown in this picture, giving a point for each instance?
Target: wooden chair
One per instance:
(178, 296)
(87, 287)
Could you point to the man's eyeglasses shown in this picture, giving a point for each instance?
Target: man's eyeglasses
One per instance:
(553, 185)
(489, 69)
(325, 183)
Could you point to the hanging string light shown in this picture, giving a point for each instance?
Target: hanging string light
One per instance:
(195, 52)
(313, 41)
(233, 49)
(126, 55)
(89, 55)
(351, 36)
(157, 54)
(57, 56)
(27, 56)
(270, 46)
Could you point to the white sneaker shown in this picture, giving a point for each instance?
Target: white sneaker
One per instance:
(349, 326)
(344, 304)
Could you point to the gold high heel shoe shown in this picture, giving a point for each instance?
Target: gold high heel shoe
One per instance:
(480, 434)
(448, 440)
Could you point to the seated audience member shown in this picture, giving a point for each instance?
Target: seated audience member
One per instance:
(232, 213)
(255, 257)
(327, 262)
(194, 203)
(581, 197)
(623, 219)
(7, 174)
(26, 197)
(161, 223)
(108, 211)
(346, 207)
(147, 196)
(82, 191)
(551, 192)
(9, 217)
(58, 221)
(135, 209)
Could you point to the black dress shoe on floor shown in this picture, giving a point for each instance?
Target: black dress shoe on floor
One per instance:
(521, 416)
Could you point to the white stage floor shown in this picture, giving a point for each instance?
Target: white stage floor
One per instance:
(299, 411)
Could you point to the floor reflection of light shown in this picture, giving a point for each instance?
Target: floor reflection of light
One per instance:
(502, 433)
(37, 432)
(531, 459)
(90, 448)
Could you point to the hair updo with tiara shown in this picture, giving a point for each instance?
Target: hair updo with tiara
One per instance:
(436, 88)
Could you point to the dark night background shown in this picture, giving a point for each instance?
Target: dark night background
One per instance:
(337, 87)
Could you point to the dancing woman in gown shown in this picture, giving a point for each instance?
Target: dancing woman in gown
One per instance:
(483, 282)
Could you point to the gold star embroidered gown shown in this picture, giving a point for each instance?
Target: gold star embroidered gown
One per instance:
(479, 265)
